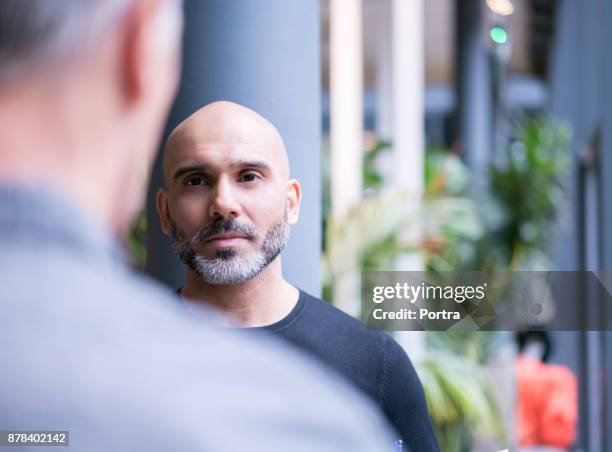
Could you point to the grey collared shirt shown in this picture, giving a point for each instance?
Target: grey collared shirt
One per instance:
(89, 347)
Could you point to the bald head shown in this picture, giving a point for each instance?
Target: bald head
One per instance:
(223, 125)
(226, 172)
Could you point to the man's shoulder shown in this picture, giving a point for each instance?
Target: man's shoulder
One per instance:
(330, 331)
(327, 312)
(377, 364)
(330, 317)
(147, 340)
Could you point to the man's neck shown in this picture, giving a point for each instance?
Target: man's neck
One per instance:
(261, 301)
(41, 147)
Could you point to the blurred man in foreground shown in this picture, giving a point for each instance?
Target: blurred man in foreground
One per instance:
(86, 346)
(228, 204)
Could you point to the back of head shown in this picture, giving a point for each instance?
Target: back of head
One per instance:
(87, 84)
(535, 338)
(36, 32)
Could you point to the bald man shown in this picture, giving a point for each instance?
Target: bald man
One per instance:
(228, 204)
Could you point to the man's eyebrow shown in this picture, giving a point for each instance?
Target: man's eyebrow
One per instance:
(182, 170)
(251, 164)
(205, 168)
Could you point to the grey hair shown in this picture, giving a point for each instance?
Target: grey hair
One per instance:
(35, 31)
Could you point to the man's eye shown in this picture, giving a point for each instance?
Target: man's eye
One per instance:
(196, 181)
(249, 177)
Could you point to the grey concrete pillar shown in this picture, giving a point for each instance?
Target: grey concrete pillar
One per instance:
(263, 54)
(473, 83)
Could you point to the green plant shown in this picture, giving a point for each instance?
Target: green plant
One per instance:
(135, 242)
(459, 399)
(528, 186)
(509, 226)
(451, 220)
(371, 177)
(366, 238)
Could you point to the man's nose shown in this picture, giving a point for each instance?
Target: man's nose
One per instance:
(224, 203)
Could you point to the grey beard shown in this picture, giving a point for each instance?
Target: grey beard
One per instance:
(227, 267)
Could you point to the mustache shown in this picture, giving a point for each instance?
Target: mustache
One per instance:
(220, 225)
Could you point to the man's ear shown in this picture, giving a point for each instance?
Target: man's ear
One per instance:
(161, 202)
(294, 197)
(147, 25)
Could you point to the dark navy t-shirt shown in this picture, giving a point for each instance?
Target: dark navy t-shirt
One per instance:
(372, 360)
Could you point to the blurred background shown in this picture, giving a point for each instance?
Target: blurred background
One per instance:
(434, 135)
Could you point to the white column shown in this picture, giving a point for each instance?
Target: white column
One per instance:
(408, 95)
(408, 52)
(346, 123)
(346, 104)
